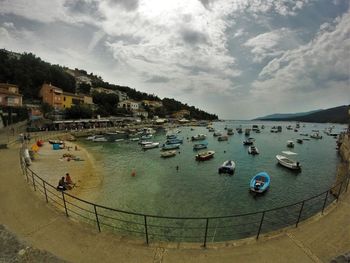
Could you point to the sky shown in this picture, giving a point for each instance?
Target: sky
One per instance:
(239, 59)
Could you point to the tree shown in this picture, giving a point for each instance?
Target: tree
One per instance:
(46, 109)
(78, 112)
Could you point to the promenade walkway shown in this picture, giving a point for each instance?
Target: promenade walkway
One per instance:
(26, 214)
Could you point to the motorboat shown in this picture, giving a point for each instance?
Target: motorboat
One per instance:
(227, 167)
(290, 144)
(171, 136)
(134, 139)
(223, 138)
(173, 146)
(303, 134)
(316, 135)
(253, 150)
(247, 132)
(289, 127)
(150, 145)
(279, 128)
(168, 154)
(198, 137)
(274, 129)
(249, 141)
(289, 163)
(145, 142)
(90, 138)
(255, 127)
(99, 138)
(174, 141)
(199, 146)
(260, 182)
(300, 141)
(230, 131)
(55, 141)
(211, 129)
(217, 133)
(146, 137)
(239, 130)
(203, 156)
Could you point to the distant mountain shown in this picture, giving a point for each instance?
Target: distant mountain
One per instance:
(277, 116)
(333, 115)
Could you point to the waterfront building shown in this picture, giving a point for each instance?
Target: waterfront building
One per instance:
(9, 95)
(121, 95)
(51, 95)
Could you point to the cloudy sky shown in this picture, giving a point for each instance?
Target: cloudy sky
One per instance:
(237, 58)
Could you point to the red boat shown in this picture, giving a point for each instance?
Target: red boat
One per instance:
(40, 143)
(203, 156)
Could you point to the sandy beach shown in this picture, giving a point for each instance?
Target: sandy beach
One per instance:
(51, 165)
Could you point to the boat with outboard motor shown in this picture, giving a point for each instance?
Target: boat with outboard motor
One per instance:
(260, 182)
(228, 166)
(203, 156)
(289, 163)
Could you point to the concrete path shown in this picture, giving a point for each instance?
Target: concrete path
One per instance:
(41, 225)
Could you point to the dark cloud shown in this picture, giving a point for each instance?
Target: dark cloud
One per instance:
(128, 5)
(193, 37)
(158, 79)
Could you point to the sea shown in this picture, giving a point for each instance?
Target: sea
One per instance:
(196, 189)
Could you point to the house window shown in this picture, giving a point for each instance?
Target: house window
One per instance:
(64, 98)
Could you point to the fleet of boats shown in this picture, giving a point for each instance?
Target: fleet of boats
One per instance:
(258, 184)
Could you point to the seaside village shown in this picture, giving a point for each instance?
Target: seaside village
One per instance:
(99, 128)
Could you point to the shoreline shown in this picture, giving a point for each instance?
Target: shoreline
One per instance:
(51, 166)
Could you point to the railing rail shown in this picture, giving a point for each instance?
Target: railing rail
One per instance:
(191, 229)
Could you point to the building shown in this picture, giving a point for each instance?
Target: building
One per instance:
(121, 95)
(130, 105)
(152, 103)
(140, 113)
(9, 95)
(71, 99)
(181, 114)
(51, 95)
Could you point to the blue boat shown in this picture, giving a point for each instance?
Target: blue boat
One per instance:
(199, 146)
(174, 141)
(260, 182)
(170, 146)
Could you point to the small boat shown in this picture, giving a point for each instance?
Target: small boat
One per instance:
(100, 139)
(135, 139)
(211, 129)
(90, 138)
(239, 130)
(316, 135)
(260, 182)
(247, 132)
(145, 142)
(290, 144)
(217, 133)
(170, 146)
(174, 141)
(203, 156)
(274, 129)
(279, 128)
(146, 137)
(198, 137)
(289, 127)
(253, 150)
(223, 138)
(286, 162)
(227, 167)
(230, 131)
(300, 141)
(199, 146)
(249, 141)
(150, 145)
(171, 136)
(255, 127)
(168, 154)
(257, 130)
(303, 134)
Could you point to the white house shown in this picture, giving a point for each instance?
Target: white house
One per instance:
(129, 105)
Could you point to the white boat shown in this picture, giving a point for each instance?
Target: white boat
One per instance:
(134, 139)
(99, 138)
(227, 167)
(217, 133)
(90, 138)
(167, 154)
(274, 129)
(290, 144)
(223, 138)
(146, 137)
(119, 140)
(289, 163)
(145, 142)
(253, 150)
(316, 135)
(150, 145)
(230, 131)
(198, 137)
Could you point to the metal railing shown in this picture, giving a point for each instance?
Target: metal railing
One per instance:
(188, 229)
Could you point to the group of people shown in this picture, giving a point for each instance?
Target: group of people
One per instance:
(65, 183)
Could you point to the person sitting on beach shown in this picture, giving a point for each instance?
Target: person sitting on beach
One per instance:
(61, 185)
(69, 183)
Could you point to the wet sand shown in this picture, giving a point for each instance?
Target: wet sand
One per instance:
(50, 165)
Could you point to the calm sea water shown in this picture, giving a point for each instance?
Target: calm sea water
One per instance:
(197, 189)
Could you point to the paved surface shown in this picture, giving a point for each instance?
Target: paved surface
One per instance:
(39, 224)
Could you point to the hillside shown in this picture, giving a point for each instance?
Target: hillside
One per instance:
(30, 72)
(285, 115)
(332, 115)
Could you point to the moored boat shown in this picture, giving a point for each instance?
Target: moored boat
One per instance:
(174, 141)
(150, 145)
(198, 137)
(247, 132)
(290, 144)
(249, 141)
(253, 150)
(227, 167)
(230, 131)
(168, 154)
(199, 146)
(260, 182)
(223, 138)
(203, 156)
(289, 163)
(217, 133)
(316, 135)
(170, 146)
(300, 141)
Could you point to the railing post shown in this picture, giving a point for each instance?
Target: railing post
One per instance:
(347, 182)
(44, 186)
(260, 226)
(33, 181)
(26, 173)
(97, 220)
(341, 185)
(301, 210)
(146, 229)
(64, 202)
(325, 202)
(206, 232)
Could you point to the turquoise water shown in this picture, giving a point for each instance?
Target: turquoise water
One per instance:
(197, 189)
